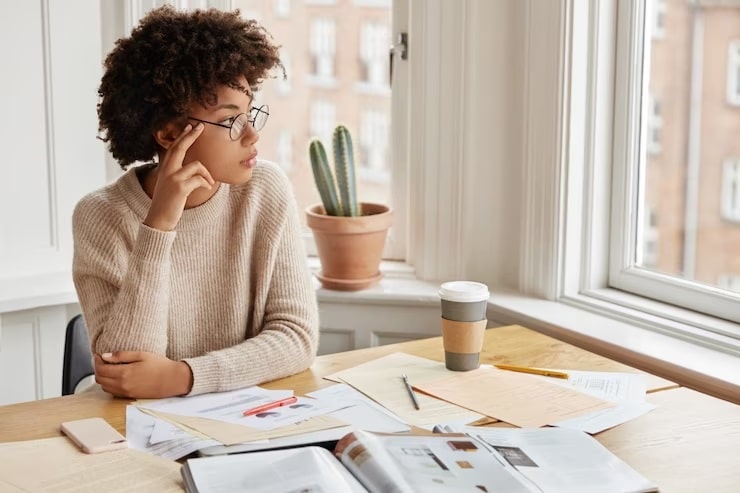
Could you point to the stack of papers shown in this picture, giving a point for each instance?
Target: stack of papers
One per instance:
(586, 401)
(215, 423)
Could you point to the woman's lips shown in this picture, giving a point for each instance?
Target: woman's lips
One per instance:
(250, 162)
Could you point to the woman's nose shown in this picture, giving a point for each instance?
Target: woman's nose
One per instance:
(250, 136)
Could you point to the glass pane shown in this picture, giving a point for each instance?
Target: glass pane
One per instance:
(336, 58)
(690, 212)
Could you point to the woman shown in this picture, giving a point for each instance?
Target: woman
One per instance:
(191, 269)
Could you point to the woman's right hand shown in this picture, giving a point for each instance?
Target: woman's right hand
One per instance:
(176, 181)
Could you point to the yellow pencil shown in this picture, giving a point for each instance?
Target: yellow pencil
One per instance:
(536, 371)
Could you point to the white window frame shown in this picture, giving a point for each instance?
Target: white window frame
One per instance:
(730, 195)
(733, 73)
(627, 136)
(568, 187)
(580, 252)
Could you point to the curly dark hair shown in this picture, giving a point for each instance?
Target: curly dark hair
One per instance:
(171, 60)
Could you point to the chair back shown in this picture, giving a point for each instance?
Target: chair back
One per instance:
(78, 358)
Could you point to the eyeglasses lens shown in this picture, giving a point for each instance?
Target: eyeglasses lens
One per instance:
(238, 126)
(257, 118)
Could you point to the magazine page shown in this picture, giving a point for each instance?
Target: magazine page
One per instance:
(426, 464)
(561, 460)
(298, 470)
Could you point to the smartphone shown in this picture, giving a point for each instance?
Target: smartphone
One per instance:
(94, 435)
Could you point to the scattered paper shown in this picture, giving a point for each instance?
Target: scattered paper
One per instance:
(380, 380)
(361, 412)
(139, 430)
(604, 419)
(516, 398)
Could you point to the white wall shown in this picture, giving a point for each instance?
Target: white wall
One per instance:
(50, 159)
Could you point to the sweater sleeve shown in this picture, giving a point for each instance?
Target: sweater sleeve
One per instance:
(122, 284)
(287, 338)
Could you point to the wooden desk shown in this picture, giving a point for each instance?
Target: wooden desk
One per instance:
(688, 432)
(690, 443)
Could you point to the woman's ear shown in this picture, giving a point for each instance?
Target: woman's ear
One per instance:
(166, 135)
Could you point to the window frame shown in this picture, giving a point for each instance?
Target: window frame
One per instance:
(628, 137)
(578, 170)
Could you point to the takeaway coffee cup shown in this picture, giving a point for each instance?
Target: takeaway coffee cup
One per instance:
(463, 323)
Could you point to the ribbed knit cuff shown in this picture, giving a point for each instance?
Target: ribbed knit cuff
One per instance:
(206, 374)
(153, 245)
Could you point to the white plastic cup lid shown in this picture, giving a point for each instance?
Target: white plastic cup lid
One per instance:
(463, 291)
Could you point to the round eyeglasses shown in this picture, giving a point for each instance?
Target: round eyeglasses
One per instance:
(257, 117)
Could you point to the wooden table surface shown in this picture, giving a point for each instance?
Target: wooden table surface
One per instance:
(689, 443)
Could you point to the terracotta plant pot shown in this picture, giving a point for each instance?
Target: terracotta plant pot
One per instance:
(350, 248)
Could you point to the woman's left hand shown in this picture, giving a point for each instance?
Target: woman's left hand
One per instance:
(142, 375)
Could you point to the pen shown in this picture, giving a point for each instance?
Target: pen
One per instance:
(536, 371)
(270, 405)
(410, 391)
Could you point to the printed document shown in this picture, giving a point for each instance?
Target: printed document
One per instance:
(517, 398)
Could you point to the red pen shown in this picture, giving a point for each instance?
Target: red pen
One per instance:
(270, 405)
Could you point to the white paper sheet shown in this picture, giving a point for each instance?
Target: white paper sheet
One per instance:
(626, 389)
(139, 427)
(610, 386)
(306, 469)
(561, 460)
(360, 411)
(229, 407)
(608, 418)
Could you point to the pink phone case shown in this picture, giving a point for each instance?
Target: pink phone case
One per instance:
(94, 435)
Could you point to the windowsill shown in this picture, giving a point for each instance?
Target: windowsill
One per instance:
(710, 370)
(398, 286)
(698, 366)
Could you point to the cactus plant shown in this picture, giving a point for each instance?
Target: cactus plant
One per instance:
(345, 203)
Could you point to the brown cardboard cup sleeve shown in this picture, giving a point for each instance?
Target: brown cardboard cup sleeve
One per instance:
(463, 337)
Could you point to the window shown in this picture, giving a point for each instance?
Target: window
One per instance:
(284, 85)
(658, 18)
(733, 72)
(654, 126)
(282, 8)
(285, 149)
(323, 47)
(374, 140)
(374, 43)
(649, 241)
(323, 120)
(730, 282)
(731, 190)
(681, 188)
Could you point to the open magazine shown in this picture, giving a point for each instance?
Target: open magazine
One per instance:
(479, 460)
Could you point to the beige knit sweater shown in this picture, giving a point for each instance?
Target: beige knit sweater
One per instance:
(228, 291)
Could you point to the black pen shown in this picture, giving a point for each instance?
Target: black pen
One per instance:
(411, 391)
